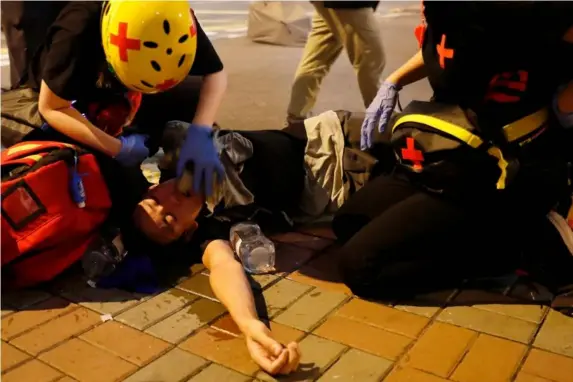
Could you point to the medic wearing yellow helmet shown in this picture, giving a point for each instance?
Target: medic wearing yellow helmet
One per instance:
(152, 54)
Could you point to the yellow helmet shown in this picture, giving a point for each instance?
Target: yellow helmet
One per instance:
(150, 45)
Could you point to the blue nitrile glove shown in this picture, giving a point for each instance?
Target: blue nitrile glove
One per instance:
(133, 150)
(378, 113)
(200, 149)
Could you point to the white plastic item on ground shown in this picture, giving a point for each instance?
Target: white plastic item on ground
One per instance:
(278, 23)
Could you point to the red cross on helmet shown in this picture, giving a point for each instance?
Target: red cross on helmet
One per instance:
(150, 45)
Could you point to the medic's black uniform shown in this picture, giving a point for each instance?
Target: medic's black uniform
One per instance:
(500, 61)
(503, 60)
(70, 60)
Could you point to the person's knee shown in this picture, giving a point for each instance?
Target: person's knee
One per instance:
(372, 52)
(350, 273)
(345, 225)
(357, 274)
(375, 50)
(371, 273)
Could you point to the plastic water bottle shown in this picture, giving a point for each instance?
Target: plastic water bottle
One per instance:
(103, 255)
(254, 249)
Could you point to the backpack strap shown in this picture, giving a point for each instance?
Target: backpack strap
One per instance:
(528, 126)
(446, 127)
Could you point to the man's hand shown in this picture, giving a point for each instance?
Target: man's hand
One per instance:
(270, 355)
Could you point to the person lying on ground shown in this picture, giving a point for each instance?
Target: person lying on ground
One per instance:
(416, 227)
(105, 65)
(308, 171)
(178, 223)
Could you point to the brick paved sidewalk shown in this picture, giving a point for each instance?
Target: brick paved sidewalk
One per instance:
(184, 333)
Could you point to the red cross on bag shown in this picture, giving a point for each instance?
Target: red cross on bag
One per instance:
(410, 153)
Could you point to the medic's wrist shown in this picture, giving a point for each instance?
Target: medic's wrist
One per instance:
(114, 147)
(394, 80)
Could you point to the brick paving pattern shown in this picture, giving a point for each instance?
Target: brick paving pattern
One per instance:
(184, 334)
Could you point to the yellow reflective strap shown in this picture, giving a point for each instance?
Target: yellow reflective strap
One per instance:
(21, 147)
(31, 146)
(34, 157)
(502, 164)
(526, 125)
(446, 127)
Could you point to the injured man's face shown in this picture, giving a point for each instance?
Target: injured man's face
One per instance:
(165, 215)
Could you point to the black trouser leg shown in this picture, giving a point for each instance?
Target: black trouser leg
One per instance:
(401, 241)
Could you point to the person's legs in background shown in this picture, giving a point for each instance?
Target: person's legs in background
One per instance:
(322, 48)
(362, 40)
(358, 31)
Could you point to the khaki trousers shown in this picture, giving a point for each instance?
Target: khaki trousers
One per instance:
(355, 30)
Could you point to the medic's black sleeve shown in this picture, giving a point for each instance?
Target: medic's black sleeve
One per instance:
(207, 60)
(71, 56)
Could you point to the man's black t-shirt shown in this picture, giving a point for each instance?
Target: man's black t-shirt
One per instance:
(71, 58)
(503, 60)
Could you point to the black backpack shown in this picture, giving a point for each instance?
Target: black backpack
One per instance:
(438, 146)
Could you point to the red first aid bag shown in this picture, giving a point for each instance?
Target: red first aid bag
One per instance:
(43, 230)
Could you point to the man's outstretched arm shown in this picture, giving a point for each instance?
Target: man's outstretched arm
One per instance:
(232, 288)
